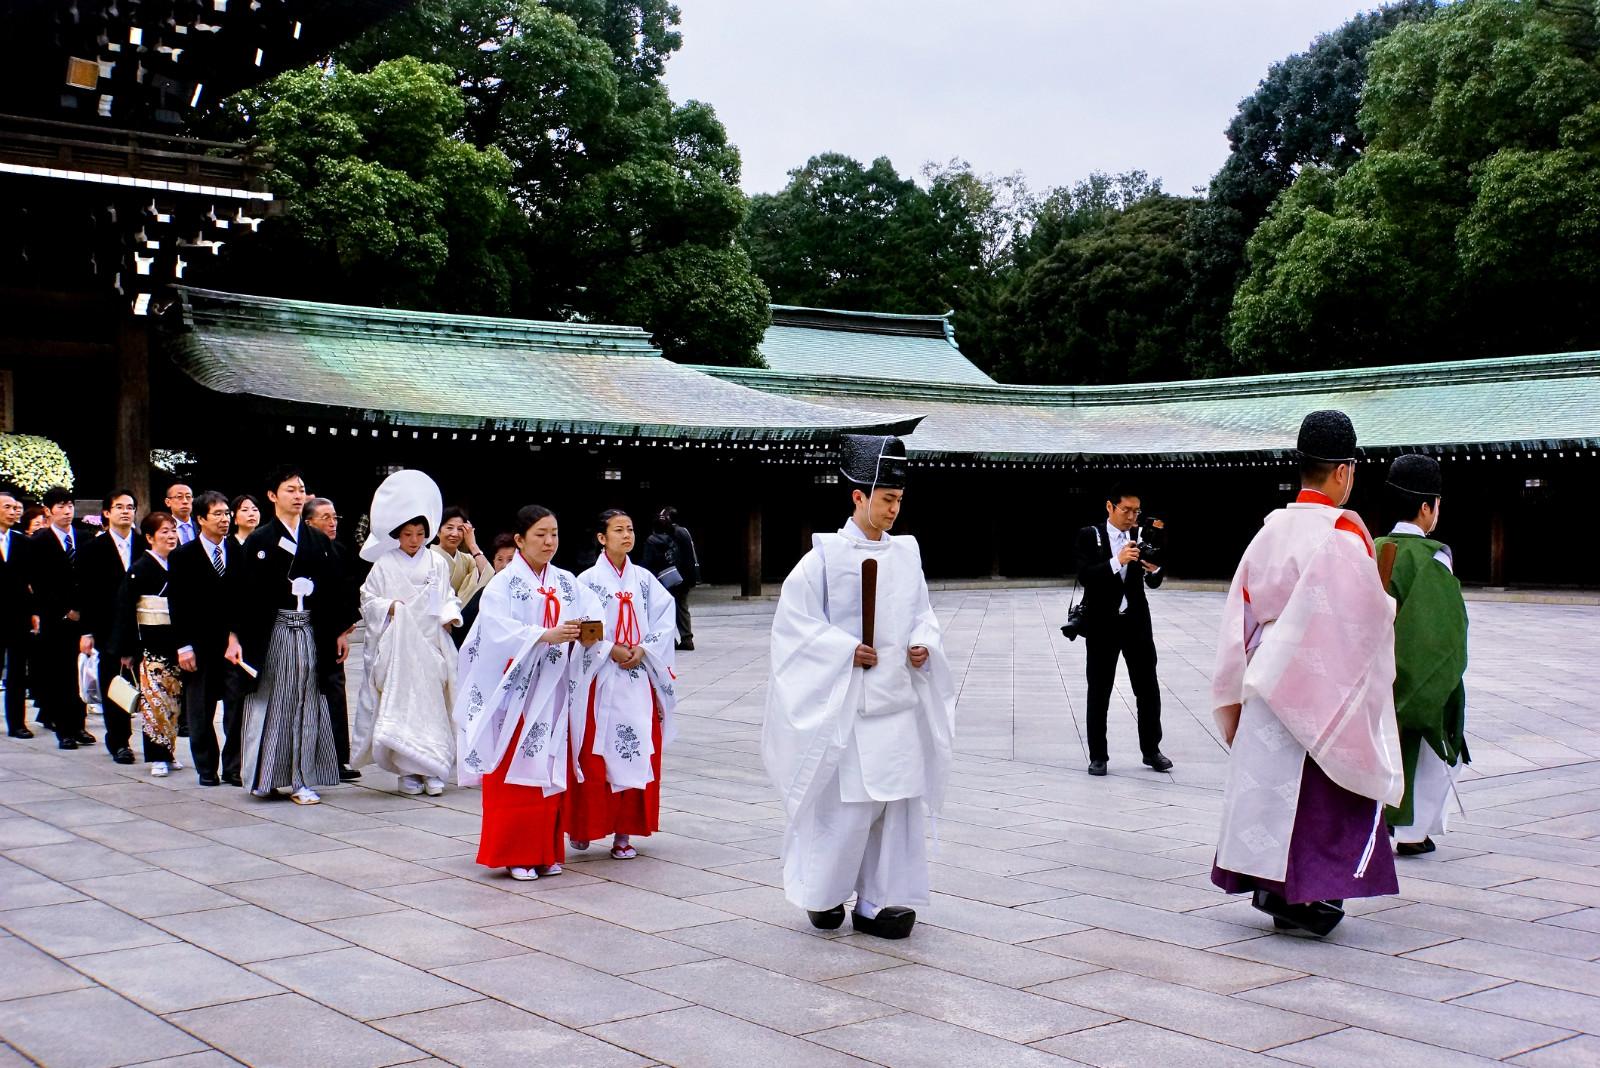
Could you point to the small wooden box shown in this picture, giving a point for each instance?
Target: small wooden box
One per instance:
(590, 630)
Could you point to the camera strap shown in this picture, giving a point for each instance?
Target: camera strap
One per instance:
(1072, 602)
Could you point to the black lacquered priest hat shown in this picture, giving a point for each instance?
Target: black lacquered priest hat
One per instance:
(1328, 436)
(1414, 473)
(873, 461)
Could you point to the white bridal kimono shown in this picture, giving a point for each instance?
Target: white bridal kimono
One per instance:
(506, 676)
(859, 755)
(403, 711)
(639, 610)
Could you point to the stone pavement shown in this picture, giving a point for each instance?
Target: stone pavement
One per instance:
(152, 921)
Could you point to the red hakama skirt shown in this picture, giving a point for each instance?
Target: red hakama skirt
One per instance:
(592, 810)
(522, 828)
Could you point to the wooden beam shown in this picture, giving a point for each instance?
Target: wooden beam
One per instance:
(752, 553)
(132, 441)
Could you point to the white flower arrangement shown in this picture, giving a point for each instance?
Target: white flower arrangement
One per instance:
(33, 464)
(169, 460)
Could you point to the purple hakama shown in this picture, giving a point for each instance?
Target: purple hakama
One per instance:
(1332, 830)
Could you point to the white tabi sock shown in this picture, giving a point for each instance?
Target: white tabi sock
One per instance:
(865, 907)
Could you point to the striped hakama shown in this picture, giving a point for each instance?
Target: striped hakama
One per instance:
(288, 739)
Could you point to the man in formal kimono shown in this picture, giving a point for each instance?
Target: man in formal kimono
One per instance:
(1430, 654)
(1303, 694)
(857, 734)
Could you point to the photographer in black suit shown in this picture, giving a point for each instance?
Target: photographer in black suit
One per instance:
(1116, 620)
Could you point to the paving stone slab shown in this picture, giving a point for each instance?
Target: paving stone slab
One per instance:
(154, 893)
(1524, 1001)
(363, 984)
(913, 1041)
(491, 1034)
(1131, 1044)
(990, 1008)
(643, 910)
(763, 997)
(470, 904)
(560, 990)
(607, 947)
(309, 898)
(1356, 1047)
(1163, 960)
(174, 976)
(91, 1028)
(80, 927)
(1580, 1052)
(698, 1037)
(29, 972)
(1454, 1027)
(246, 934)
(289, 1031)
(420, 939)
(1227, 1020)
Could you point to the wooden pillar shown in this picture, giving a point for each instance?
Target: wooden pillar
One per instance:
(132, 441)
(1497, 549)
(752, 553)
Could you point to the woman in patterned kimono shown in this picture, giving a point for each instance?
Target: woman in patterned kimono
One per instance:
(630, 702)
(142, 636)
(521, 673)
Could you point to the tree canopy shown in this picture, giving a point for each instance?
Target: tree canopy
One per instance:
(625, 205)
(1468, 227)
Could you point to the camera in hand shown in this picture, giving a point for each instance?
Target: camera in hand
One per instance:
(1151, 540)
(1074, 624)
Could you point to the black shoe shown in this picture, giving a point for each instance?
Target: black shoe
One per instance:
(1415, 849)
(123, 755)
(84, 738)
(20, 732)
(1158, 761)
(348, 774)
(1317, 917)
(66, 743)
(892, 922)
(687, 647)
(1097, 767)
(827, 921)
(233, 780)
(210, 780)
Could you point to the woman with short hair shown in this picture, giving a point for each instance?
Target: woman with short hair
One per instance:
(246, 516)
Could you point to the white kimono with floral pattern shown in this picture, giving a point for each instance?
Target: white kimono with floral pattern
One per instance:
(507, 676)
(622, 702)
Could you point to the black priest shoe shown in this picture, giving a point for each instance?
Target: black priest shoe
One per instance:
(1316, 917)
(1097, 767)
(891, 922)
(827, 921)
(1415, 849)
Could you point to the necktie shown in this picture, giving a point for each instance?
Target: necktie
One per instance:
(216, 560)
(72, 550)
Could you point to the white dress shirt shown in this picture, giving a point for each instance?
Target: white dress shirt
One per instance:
(1117, 539)
(124, 547)
(5, 544)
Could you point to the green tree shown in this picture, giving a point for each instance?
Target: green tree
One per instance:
(615, 180)
(1303, 115)
(1469, 223)
(1104, 304)
(385, 205)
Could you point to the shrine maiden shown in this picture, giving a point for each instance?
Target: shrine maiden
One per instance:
(857, 736)
(522, 674)
(630, 701)
(403, 711)
(1303, 694)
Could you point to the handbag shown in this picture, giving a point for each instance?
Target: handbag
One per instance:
(123, 694)
(89, 677)
(670, 576)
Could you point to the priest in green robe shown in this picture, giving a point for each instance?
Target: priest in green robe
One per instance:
(1430, 652)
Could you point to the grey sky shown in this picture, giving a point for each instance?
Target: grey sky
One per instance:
(1053, 88)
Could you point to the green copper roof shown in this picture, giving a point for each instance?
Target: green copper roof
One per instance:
(1512, 404)
(822, 341)
(419, 369)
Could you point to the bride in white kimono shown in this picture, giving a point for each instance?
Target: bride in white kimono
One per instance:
(630, 703)
(523, 672)
(403, 711)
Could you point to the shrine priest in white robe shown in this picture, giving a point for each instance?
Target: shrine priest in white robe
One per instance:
(403, 720)
(857, 734)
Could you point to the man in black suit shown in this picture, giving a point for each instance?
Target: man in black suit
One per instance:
(18, 621)
(102, 564)
(202, 585)
(1116, 620)
(55, 592)
(320, 514)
